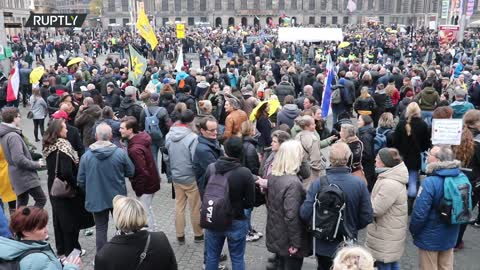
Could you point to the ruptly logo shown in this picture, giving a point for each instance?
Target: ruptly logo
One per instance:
(55, 20)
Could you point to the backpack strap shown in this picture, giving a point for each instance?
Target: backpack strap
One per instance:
(143, 255)
(31, 251)
(156, 111)
(147, 112)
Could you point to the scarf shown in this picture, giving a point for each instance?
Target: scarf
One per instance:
(63, 146)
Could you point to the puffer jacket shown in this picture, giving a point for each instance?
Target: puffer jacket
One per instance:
(428, 99)
(284, 227)
(387, 234)
(284, 89)
(429, 232)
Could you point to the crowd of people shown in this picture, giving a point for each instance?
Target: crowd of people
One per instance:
(237, 136)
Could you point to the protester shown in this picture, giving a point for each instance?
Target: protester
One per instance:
(22, 170)
(366, 134)
(348, 136)
(124, 251)
(85, 120)
(39, 112)
(234, 119)
(288, 113)
(99, 185)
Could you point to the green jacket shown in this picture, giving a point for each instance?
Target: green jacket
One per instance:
(428, 99)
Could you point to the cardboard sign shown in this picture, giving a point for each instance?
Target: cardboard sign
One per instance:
(447, 131)
(180, 30)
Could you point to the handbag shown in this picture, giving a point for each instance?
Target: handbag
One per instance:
(30, 113)
(60, 188)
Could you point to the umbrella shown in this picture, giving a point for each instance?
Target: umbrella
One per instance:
(344, 44)
(36, 74)
(273, 104)
(75, 60)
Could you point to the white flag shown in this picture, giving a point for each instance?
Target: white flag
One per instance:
(179, 64)
(351, 6)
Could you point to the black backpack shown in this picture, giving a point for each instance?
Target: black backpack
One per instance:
(329, 213)
(216, 213)
(15, 263)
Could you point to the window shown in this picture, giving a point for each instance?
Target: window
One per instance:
(435, 6)
(323, 20)
(112, 21)
(370, 4)
(334, 20)
(111, 5)
(381, 5)
(218, 4)
(191, 21)
(382, 19)
(311, 5)
(323, 5)
(203, 19)
(335, 5)
(345, 20)
(178, 5)
(125, 21)
(190, 5)
(398, 7)
(203, 5)
(165, 6)
(311, 20)
(294, 4)
(359, 4)
(164, 20)
(268, 4)
(125, 5)
(281, 4)
(256, 4)
(243, 4)
(231, 4)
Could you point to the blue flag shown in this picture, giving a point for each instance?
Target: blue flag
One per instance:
(327, 91)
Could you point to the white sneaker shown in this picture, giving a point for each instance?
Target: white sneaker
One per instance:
(251, 237)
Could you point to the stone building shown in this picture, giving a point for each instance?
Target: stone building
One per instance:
(249, 12)
(16, 13)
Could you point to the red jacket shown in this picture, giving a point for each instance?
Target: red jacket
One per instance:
(146, 179)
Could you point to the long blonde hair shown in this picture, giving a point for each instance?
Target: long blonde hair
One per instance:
(413, 110)
(288, 158)
(364, 92)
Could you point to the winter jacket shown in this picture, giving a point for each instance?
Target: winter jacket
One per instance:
(285, 229)
(233, 123)
(387, 235)
(163, 120)
(411, 146)
(113, 100)
(349, 89)
(402, 106)
(241, 184)
(284, 89)
(365, 105)
(39, 107)
(21, 168)
(460, 107)
(122, 252)
(358, 211)
(207, 151)
(85, 121)
(45, 260)
(366, 135)
(180, 143)
(264, 126)
(101, 185)
(146, 179)
(201, 89)
(287, 115)
(250, 155)
(429, 232)
(311, 147)
(189, 100)
(428, 99)
(129, 107)
(52, 102)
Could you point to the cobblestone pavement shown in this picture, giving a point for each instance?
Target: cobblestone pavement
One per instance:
(190, 255)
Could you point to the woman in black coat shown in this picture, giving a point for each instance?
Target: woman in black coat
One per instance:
(411, 138)
(69, 214)
(348, 136)
(366, 134)
(123, 251)
(380, 98)
(264, 126)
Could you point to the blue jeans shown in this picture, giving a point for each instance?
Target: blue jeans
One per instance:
(236, 240)
(412, 183)
(248, 214)
(427, 117)
(388, 266)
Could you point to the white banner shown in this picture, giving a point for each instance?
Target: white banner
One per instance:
(292, 34)
(447, 131)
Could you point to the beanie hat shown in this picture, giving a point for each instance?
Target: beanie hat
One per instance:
(387, 158)
(234, 147)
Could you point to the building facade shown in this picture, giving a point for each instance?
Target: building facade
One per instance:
(250, 12)
(16, 13)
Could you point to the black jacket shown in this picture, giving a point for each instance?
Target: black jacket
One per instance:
(189, 100)
(241, 185)
(250, 156)
(411, 146)
(122, 252)
(284, 89)
(367, 135)
(114, 100)
(208, 151)
(129, 107)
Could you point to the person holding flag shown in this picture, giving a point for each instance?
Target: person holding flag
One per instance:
(145, 29)
(138, 66)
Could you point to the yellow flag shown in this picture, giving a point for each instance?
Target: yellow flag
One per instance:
(146, 30)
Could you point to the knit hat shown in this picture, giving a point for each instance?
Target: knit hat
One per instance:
(234, 147)
(130, 91)
(387, 158)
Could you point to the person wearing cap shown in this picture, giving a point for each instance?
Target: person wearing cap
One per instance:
(460, 106)
(113, 97)
(447, 89)
(129, 105)
(45, 89)
(387, 235)
(153, 109)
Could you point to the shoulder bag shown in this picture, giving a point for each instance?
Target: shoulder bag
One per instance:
(143, 255)
(60, 188)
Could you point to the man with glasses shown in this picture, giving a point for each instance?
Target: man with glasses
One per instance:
(21, 168)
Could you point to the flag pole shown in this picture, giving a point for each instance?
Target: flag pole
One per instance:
(131, 6)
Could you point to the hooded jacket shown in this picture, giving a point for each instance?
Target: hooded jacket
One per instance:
(287, 115)
(284, 89)
(45, 260)
(181, 143)
(129, 107)
(21, 167)
(460, 107)
(101, 185)
(85, 121)
(146, 179)
(428, 99)
(387, 234)
(240, 182)
(429, 232)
